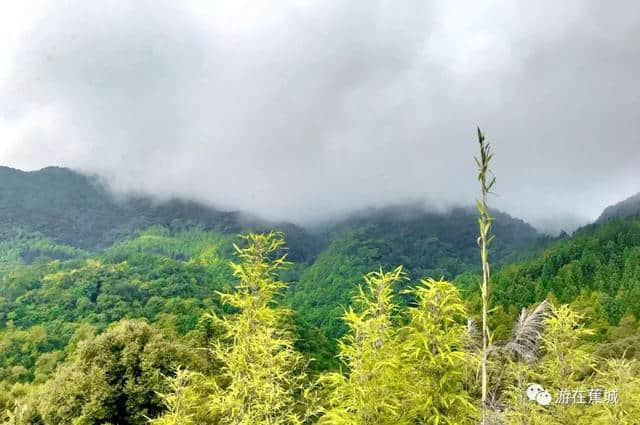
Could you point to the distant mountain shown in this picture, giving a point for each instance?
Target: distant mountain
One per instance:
(419, 238)
(77, 210)
(80, 213)
(425, 243)
(627, 208)
(598, 264)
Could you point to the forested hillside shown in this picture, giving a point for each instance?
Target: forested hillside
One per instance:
(75, 215)
(101, 323)
(425, 243)
(627, 208)
(598, 268)
(79, 211)
(163, 325)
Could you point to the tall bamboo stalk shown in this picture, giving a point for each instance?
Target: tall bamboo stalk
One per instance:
(487, 180)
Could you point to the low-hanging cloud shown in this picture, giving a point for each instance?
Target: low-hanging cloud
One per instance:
(304, 110)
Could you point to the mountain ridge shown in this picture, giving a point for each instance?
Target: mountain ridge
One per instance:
(626, 208)
(79, 210)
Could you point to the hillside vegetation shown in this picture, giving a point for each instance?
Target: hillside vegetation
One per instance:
(183, 322)
(164, 326)
(77, 210)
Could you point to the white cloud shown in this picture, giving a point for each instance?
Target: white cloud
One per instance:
(304, 109)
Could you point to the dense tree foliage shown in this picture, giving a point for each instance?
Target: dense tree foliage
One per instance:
(260, 375)
(602, 258)
(104, 324)
(47, 305)
(80, 211)
(402, 374)
(218, 352)
(425, 243)
(431, 243)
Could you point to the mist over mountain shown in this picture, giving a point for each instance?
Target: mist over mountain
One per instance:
(269, 213)
(80, 211)
(304, 110)
(626, 208)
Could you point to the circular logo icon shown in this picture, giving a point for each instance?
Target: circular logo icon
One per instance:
(543, 398)
(533, 390)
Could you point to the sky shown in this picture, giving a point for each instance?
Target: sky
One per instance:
(304, 110)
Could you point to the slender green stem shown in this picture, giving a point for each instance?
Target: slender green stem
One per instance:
(484, 222)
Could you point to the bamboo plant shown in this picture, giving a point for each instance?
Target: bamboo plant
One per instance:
(487, 181)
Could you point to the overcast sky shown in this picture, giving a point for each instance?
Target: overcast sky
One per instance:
(300, 110)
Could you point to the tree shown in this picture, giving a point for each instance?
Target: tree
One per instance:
(411, 374)
(373, 392)
(434, 350)
(114, 378)
(260, 376)
(261, 373)
(567, 369)
(184, 401)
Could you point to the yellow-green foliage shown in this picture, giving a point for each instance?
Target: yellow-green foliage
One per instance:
(402, 375)
(20, 402)
(569, 366)
(435, 351)
(624, 377)
(158, 240)
(113, 378)
(185, 400)
(563, 366)
(260, 374)
(373, 390)
(411, 365)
